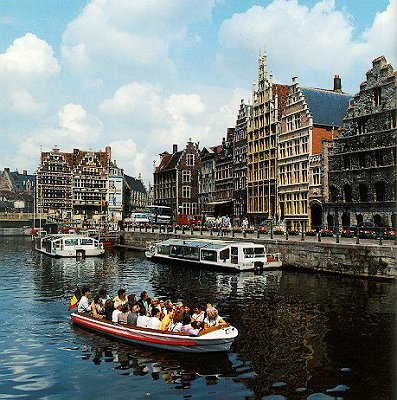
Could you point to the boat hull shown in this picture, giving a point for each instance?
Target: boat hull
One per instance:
(216, 341)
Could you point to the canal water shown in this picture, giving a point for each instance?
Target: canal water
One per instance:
(302, 336)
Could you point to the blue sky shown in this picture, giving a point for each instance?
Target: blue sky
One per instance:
(142, 75)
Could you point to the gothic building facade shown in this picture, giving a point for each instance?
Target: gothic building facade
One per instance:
(362, 161)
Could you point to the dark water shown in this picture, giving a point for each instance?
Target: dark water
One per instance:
(301, 336)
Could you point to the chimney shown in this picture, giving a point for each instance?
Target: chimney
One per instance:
(174, 148)
(337, 84)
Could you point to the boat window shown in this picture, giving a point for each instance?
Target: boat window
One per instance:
(208, 255)
(86, 241)
(176, 251)
(259, 252)
(71, 242)
(224, 254)
(191, 253)
(248, 253)
(234, 255)
(163, 249)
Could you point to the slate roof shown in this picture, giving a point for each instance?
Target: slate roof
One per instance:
(18, 180)
(169, 161)
(327, 107)
(135, 185)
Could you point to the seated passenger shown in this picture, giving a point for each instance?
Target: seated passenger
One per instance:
(166, 321)
(197, 317)
(187, 326)
(121, 296)
(176, 323)
(143, 302)
(109, 308)
(142, 321)
(154, 321)
(131, 299)
(213, 319)
(116, 312)
(84, 306)
(154, 303)
(122, 317)
(97, 308)
(133, 315)
(104, 295)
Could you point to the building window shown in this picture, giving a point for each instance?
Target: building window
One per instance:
(346, 161)
(333, 191)
(379, 191)
(289, 123)
(186, 176)
(363, 192)
(377, 96)
(297, 121)
(186, 192)
(347, 190)
(186, 208)
(316, 176)
(190, 160)
(362, 160)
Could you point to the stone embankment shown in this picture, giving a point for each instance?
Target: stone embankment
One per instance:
(369, 258)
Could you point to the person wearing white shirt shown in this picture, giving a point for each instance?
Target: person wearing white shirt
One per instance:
(84, 305)
(117, 311)
(154, 321)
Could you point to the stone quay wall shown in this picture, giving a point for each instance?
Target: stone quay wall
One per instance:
(364, 260)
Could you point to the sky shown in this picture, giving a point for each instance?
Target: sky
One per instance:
(140, 76)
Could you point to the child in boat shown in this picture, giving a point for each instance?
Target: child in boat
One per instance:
(213, 319)
(154, 321)
(116, 312)
(187, 326)
(122, 317)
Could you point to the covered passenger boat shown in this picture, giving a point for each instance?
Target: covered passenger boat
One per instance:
(216, 339)
(69, 246)
(232, 255)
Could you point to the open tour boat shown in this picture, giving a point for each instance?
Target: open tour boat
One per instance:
(216, 339)
(68, 245)
(232, 255)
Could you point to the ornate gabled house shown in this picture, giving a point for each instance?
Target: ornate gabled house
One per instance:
(362, 162)
(135, 195)
(73, 186)
(310, 116)
(206, 181)
(224, 184)
(175, 179)
(268, 102)
(240, 161)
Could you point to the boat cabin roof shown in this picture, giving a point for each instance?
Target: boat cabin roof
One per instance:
(209, 244)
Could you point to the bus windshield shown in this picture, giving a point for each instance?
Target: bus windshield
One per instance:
(159, 214)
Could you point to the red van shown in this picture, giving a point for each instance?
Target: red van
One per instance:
(188, 219)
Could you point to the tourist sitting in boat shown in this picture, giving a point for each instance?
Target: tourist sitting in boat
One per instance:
(109, 308)
(154, 303)
(123, 316)
(142, 320)
(97, 307)
(133, 315)
(84, 306)
(154, 321)
(187, 326)
(144, 302)
(166, 321)
(197, 319)
(131, 299)
(121, 297)
(117, 310)
(213, 319)
(104, 295)
(177, 319)
(163, 308)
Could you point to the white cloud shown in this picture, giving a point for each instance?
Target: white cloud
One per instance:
(24, 103)
(29, 56)
(129, 34)
(181, 105)
(312, 43)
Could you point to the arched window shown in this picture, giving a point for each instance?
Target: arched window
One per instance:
(333, 194)
(379, 191)
(359, 218)
(330, 221)
(347, 191)
(346, 221)
(378, 220)
(362, 188)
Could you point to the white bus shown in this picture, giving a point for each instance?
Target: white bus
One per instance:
(159, 215)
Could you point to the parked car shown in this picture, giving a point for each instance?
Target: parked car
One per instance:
(188, 219)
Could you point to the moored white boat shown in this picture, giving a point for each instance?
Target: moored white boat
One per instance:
(69, 246)
(232, 255)
(215, 340)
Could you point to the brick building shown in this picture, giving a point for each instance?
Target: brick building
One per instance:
(362, 161)
(240, 160)
(310, 116)
(206, 181)
(176, 180)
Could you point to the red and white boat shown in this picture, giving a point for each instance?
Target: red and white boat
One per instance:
(214, 340)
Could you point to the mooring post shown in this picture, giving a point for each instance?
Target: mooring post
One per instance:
(319, 236)
(337, 237)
